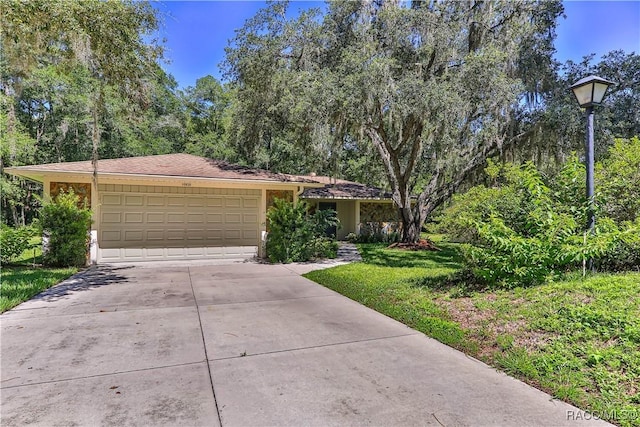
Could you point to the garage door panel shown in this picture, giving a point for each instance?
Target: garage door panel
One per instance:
(215, 235)
(251, 235)
(132, 252)
(156, 201)
(112, 200)
(195, 252)
(133, 200)
(111, 217)
(233, 202)
(173, 234)
(155, 253)
(196, 218)
(250, 203)
(233, 218)
(111, 236)
(133, 218)
(174, 226)
(232, 234)
(175, 201)
(215, 202)
(155, 217)
(250, 218)
(133, 235)
(175, 253)
(193, 234)
(157, 235)
(195, 202)
(175, 217)
(214, 218)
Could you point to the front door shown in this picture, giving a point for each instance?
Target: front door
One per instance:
(323, 206)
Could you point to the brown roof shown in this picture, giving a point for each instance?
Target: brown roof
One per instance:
(327, 179)
(346, 191)
(179, 165)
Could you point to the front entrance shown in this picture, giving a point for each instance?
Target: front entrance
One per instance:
(323, 206)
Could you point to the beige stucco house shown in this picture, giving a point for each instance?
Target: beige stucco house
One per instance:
(179, 206)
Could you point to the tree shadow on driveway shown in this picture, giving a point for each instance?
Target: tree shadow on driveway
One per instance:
(92, 278)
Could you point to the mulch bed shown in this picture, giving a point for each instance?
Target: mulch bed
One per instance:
(420, 245)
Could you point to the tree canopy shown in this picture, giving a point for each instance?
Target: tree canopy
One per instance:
(411, 96)
(434, 87)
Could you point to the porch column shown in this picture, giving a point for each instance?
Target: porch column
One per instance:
(263, 223)
(358, 217)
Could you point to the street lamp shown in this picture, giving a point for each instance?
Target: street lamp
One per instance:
(589, 92)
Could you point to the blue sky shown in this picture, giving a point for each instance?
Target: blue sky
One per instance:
(198, 31)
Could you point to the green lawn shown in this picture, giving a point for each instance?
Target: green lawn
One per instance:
(20, 281)
(578, 339)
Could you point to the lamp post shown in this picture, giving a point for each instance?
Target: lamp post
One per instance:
(590, 92)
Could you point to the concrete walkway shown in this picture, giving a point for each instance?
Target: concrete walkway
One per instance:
(239, 345)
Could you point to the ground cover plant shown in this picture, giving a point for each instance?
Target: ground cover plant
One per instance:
(24, 277)
(576, 338)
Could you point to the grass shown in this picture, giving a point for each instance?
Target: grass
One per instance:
(578, 339)
(21, 280)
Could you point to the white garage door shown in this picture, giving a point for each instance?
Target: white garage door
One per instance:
(202, 223)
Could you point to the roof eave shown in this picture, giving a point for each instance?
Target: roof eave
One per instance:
(302, 196)
(38, 175)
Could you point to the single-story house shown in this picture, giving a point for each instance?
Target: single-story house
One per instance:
(179, 206)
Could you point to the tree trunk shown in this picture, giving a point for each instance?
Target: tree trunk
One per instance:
(410, 229)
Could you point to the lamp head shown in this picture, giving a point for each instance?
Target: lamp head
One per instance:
(590, 91)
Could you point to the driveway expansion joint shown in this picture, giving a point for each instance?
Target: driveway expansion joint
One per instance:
(108, 374)
(336, 344)
(259, 301)
(204, 345)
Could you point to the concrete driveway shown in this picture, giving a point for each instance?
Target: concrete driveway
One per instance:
(239, 345)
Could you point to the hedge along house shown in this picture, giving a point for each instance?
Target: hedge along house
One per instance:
(179, 206)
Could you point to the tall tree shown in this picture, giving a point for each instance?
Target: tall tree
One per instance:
(561, 123)
(208, 107)
(111, 40)
(435, 87)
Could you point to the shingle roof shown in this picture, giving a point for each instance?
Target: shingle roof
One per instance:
(188, 166)
(328, 179)
(179, 165)
(346, 191)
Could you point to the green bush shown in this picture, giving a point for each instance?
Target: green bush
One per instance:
(625, 253)
(617, 180)
(505, 195)
(297, 236)
(544, 236)
(375, 232)
(14, 241)
(65, 225)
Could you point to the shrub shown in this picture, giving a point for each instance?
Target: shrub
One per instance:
(296, 236)
(618, 180)
(507, 259)
(65, 224)
(507, 196)
(625, 253)
(376, 232)
(546, 235)
(14, 241)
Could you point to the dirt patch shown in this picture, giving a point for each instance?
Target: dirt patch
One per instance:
(485, 326)
(420, 245)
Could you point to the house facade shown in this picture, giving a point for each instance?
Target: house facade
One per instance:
(179, 206)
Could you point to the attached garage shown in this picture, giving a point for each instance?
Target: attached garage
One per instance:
(159, 223)
(170, 207)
